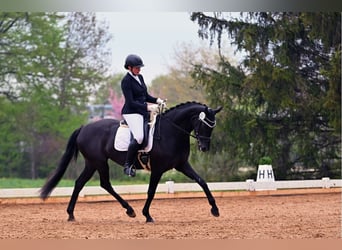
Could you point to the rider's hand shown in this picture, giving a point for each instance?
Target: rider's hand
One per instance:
(153, 107)
(161, 101)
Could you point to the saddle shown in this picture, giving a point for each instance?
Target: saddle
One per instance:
(123, 136)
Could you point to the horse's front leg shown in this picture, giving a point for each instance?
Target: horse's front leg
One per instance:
(154, 179)
(189, 172)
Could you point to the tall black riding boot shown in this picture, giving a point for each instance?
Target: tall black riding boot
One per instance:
(146, 134)
(130, 158)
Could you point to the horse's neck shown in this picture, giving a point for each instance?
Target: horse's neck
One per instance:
(182, 117)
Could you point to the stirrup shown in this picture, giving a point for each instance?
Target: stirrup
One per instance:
(144, 157)
(130, 171)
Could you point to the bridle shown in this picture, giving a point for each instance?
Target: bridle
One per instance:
(204, 120)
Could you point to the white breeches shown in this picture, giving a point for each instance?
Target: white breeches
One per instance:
(136, 125)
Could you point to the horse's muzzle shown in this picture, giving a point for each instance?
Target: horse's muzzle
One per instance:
(203, 147)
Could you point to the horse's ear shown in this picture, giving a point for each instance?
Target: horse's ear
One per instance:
(217, 110)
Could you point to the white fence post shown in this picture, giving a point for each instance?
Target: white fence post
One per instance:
(250, 185)
(170, 187)
(326, 182)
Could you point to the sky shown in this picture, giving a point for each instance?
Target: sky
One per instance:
(154, 36)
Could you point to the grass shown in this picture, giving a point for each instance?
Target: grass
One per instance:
(38, 183)
(28, 183)
(141, 178)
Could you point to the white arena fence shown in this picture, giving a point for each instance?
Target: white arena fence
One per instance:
(171, 187)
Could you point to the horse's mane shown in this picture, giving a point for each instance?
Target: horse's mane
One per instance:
(181, 105)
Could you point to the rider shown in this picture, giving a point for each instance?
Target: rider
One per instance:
(135, 109)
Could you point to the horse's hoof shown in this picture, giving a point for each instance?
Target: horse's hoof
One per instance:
(215, 212)
(71, 218)
(131, 213)
(149, 220)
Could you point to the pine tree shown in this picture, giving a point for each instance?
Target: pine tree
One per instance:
(284, 99)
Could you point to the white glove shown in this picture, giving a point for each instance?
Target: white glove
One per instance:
(160, 101)
(153, 107)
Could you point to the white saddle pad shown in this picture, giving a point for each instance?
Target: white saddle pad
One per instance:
(123, 138)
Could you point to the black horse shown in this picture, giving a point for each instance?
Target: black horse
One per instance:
(171, 148)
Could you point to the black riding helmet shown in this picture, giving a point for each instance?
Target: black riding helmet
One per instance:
(133, 61)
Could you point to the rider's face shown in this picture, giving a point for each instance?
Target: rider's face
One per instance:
(135, 70)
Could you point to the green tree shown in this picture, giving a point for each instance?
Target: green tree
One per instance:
(11, 26)
(11, 153)
(51, 65)
(284, 99)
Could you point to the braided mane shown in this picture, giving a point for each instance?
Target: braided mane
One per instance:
(183, 105)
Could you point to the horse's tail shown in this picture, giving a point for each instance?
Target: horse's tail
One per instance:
(71, 151)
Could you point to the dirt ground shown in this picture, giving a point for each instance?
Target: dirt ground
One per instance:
(252, 217)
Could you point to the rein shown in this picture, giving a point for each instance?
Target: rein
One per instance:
(180, 128)
(202, 118)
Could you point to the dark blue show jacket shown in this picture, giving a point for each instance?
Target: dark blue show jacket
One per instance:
(136, 95)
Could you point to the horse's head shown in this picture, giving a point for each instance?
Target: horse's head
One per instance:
(204, 124)
(195, 116)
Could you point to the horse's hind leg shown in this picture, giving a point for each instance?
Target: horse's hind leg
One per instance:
(79, 184)
(189, 172)
(154, 180)
(105, 183)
